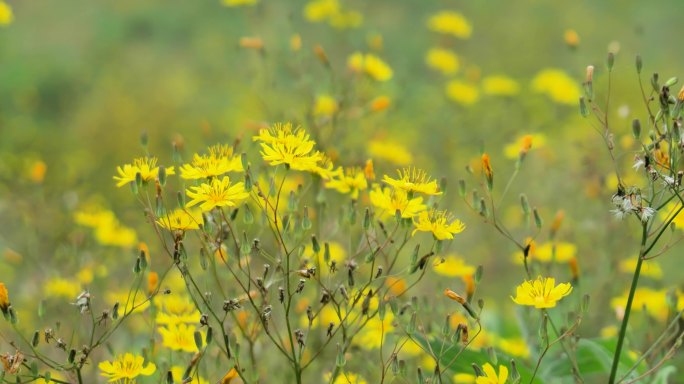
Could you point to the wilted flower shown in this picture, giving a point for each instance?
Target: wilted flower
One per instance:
(491, 377)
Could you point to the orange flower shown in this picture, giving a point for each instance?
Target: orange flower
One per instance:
(152, 282)
(380, 103)
(454, 296)
(487, 166)
(251, 42)
(233, 373)
(526, 144)
(4, 298)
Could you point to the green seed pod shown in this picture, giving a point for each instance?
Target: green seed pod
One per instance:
(366, 219)
(636, 128)
(610, 61)
(210, 335)
(537, 218)
(340, 360)
(583, 107)
(161, 175)
(462, 188)
(36, 339)
(198, 339)
(639, 64)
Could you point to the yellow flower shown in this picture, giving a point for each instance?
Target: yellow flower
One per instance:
(181, 220)
(390, 151)
(462, 93)
(516, 347)
(541, 293)
(560, 252)
(464, 378)
(284, 145)
(126, 368)
(453, 266)
(325, 105)
(452, 23)
(321, 10)
(557, 85)
(499, 85)
(414, 180)
(653, 300)
(126, 303)
(440, 223)
(666, 213)
(146, 166)
(176, 309)
(233, 373)
(371, 65)
(217, 193)
(523, 144)
(94, 217)
(180, 337)
(345, 378)
(390, 200)
(649, 268)
(219, 161)
(325, 168)
(6, 14)
(337, 254)
(59, 287)
(442, 60)
(491, 377)
(346, 19)
(4, 298)
(116, 234)
(237, 3)
(571, 38)
(350, 182)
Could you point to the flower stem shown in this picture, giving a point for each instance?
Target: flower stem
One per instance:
(628, 307)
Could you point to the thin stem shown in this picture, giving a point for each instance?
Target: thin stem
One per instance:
(628, 307)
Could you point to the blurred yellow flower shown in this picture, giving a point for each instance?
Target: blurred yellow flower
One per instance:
(4, 298)
(126, 368)
(217, 193)
(325, 168)
(452, 23)
(500, 85)
(219, 161)
(560, 252)
(146, 166)
(116, 234)
(389, 151)
(321, 10)
(371, 65)
(59, 287)
(464, 378)
(654, 301)
(514, 347)
(462, 93)
(6, 14)
(667, 211)
(346, 19)
(284, 145)
(126, 302)
(176, 309)
(491, 377)
(387, 201)
(541, 293)
(649, 268)
(178, 374)
(524, 144)
(94, 217)
(345, 378)
(442, 60)
(325, 105)
(557, 85)
(370, 336)
(228, 377)
(181, 220)
(238, 3)
(441, 223)
(179, 337)
(351, 181)
(453, 266)
(413, 180)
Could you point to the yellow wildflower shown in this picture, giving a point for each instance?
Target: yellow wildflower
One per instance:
(414, 180)
(325, 105)
(515, 347)
(390, 200)
(284, 145)
(560, 252)
(649, 268)
(491, 377)
(453, 266)
(654, 301)
(346, 19)
(442, 60)
(217, 193)
(464, 378)
(390, 151)
(178, 374)
(321, 10)
(219, 161)
(116, 234)
(666, 213)
(146, 166)
(371, 65)
(126, 368)
(180, 337)
(4, 298)
(541, 293)
(325, 168)
(442, 225)
(345, 378)
(228, 377)
(351, 181)
(59, 287)
(176, 309)
(181, 220)
(6, 14)
(499, 85)
(238, 3)
(451, 23)
(523, 144)
(462, 93)
(557, 85)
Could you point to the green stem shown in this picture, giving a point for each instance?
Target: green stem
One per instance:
(628, 307)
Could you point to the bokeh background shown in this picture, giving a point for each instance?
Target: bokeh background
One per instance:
(81, 80)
